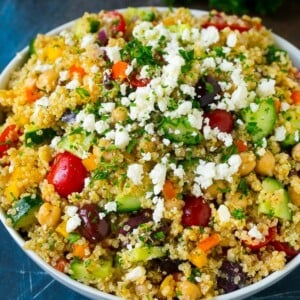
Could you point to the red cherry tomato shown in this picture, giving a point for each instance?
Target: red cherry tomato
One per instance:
(285, 247)
(241, 146)
(67, 174)
(136, 82)
(195, 212)
(221, 119)
(218, 20)
(8, 138)
(268, 239)
(61, 264)
(118, 23)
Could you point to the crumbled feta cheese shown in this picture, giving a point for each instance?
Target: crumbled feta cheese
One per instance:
(149, 128)
(231, 39)
(101, 126)
(208, 63)
(159, 209)
(101, 215)
(146, 156)
(196, 190)
(166, 142)
(158, 177)
(255, 233)
(128, 70)
(226, 66)
(136, 274)
(110, 135)
(71, 210)
(43, 101)
(113, 53)
(94, 69)
(296, 136)
(209, 36)
(87, 40)
(39, 67)
(280, 133)
(195, 118)
(123, 88)
(260, 151)
(73, 84)
(110, 206)
(223, 213)
(125, 101)
(87, 180)
(122, 138)
(55, 141)
(64, 75)
(89, 123)
(254, 107)
(73, 223)
(284, 106)
(107, 107)
(135, 173)
(188, 90)
(266, 87)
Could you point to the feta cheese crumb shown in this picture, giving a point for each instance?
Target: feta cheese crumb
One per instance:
(223, 213)
(231, 39)
(266, 87)
(188, 90)
(136, 274)
(159, 209)
(107, 107)
(284, 106)
(64, 75)
(110, 206)
(146, 156)
(71, 210)
(89, 123)
(253, 107)
(121, 138)
(209, 36)
(135, 173)
(158, 177)
(73, 223)
(280, 133)
(43, 101)
(73, 84)
(255, 233)
(101, 126)
(113, 53)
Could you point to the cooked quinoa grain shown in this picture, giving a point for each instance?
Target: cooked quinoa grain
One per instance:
(155, 153)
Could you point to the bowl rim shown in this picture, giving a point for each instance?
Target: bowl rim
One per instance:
(92, 292)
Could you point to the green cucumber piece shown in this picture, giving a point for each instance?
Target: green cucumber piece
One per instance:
(35, 137)
(260, 124)
(291, 117)
(273, 200)
(144, 253)
(128, 203)
(77, 142)
(91, 270)
(25, 209)
(179, 130)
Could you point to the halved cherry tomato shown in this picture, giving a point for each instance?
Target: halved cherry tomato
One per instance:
(118, 23)
(268, 239)
(67, 174)
(296, 97)
(136, 82)
(285, 247)
(241, 146)
(8, 138)
(218, 20)
(221, 119)
(195, 212)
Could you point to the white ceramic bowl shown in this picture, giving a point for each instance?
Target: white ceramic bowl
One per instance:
(92, 292)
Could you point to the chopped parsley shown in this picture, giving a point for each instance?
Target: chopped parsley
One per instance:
(243, 187)
(195, 272)
(83, 93)
(73, 237)
(188, 56)
(239, 214)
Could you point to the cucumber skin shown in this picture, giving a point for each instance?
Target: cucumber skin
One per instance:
(264, 119)
(128, 203)
(293, 117)
(145, 253)
(26, 208)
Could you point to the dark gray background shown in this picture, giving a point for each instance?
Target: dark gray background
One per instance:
(21, 20)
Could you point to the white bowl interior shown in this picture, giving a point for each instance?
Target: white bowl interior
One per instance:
(91, 292)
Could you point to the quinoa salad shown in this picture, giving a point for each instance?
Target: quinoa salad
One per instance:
(155, 154)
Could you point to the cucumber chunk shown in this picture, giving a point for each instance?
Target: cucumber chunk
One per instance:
(77, 142)
(91, 270)
(25, 209)
(292, 119)
(128, 203)
(180, 130)
(260, 123)
(273, 200)
(144, 253)
(38, 136)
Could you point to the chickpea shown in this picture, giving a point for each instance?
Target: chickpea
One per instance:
(173, 203)
(49, 215)
(167, 287)
(146, 145)
(294, 196)
(265, 164)
(248, 163)
(296, 152)
(47, 80)
(119, 114)
(189, 291)
(237, 200)
(215, 189)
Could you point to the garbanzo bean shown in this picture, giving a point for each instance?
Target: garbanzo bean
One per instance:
(119, 114)
(215, 189)
(167, 287)
(49, 215)
(47, 80)
(248, 163)
(189, 290)
(296, 152)
(265, 164)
